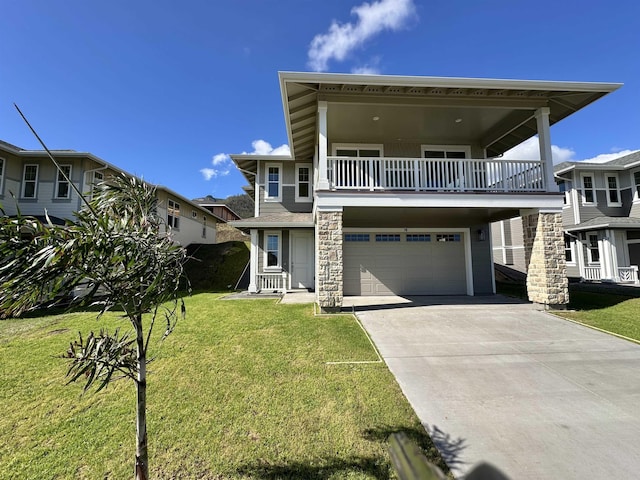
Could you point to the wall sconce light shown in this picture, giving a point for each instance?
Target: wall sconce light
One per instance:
(482, 236)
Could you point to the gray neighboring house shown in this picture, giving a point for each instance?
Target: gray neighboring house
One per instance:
(393, 182)
(31, 177)
(600, 218)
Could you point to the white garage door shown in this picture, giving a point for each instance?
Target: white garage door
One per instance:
(404, 263)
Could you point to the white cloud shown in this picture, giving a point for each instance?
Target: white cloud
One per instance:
(605, 157)
(262, 147)
(222, 163)
(370, 68)
(342, 39)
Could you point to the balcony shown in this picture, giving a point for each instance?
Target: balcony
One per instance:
(435, 174)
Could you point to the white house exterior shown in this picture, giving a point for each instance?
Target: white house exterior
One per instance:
(30, 182)
(393, 182)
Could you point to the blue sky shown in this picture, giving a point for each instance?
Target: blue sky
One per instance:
(167, 89)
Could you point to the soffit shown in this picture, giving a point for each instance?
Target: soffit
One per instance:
(501, 109)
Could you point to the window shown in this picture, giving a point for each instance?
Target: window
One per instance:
(1, 174)
(613, 192)
(592, 249)
(30, 181)
(636, 180)
(62, 185)
(448, 237)
(173, 214)
(568, 249)
(98, 178)
(354, 150)
(356, 237)
(418, 237)
(565, 187)
(588, 190)
(388, 237)
(273, 183)
(272, 250)
(204, 227)
(303, 183)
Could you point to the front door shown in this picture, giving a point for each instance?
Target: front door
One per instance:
(302, 260)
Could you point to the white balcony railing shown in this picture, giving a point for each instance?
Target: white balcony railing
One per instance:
(272, 282)
(625, 274)
(435, 174)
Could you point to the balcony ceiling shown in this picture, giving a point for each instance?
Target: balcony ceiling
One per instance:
(494, 114)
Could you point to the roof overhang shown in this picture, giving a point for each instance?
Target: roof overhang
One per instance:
(507, 106)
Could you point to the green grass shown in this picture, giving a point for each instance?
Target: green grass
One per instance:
(241, 389)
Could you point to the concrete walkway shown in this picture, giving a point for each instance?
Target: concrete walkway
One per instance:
(503, 382)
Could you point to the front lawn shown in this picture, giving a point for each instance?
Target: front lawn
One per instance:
(241, 389)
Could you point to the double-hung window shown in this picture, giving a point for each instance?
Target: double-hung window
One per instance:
(588, 189)
(613, 190)
(593, 253)
(565, 188)
(636, 181)
(272, 252)
(173, 214)
(568, 249)
(1, 175)
(63, 189)
(303, 182)
(30, 181)
(273, 182)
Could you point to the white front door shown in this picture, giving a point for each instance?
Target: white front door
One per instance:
(302, 260)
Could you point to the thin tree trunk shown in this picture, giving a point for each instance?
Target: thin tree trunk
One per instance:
(142, 457)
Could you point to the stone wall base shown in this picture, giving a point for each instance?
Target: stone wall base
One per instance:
(329, 274)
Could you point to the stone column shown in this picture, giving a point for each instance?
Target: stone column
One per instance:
(547, 282)
(329, 257)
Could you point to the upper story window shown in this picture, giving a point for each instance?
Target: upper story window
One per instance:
(446, 151)
(63, 189)
(273, 187)
(588, 189)
(613, 190)
(636, 181)
(565, 188)
(1, 174)
(355, 150)
(173, 214)
(568, 249)
(272, 250)
(30, 181)
(303, 183)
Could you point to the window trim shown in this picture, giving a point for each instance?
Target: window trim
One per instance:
(3, 168)
(308, 198)
(272, 268)
(357, 146)
(466, 149)
(606, 178)
(568, 186)
(59, 182)
(267, 198)
(35, 181)
(583, 189)
(571, 249)
(635, 185)
(590, 248)
(175, 214)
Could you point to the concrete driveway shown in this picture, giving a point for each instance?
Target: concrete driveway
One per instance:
(503, 382)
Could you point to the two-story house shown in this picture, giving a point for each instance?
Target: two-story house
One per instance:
(31, 183)
(601, 220)
(393, 182)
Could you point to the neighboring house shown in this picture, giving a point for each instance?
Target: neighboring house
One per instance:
(601, 220)
(37, 186)
(393, 182)
(220, 210)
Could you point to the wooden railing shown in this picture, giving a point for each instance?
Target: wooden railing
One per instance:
(625, 274)
(274, 282)
(435, 174)
(592, 273)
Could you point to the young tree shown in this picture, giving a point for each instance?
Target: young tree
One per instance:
(118, 249)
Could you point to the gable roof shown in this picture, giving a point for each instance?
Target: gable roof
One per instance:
(301, 91)
(606, 222)
(621, 163)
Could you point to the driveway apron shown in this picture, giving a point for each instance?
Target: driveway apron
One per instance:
(503, 382)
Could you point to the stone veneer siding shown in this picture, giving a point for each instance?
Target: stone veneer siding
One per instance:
(545, 259)
(329, 231)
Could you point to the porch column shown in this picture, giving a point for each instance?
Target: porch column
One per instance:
(547, 282)
(544, 139)
(253, 262)
(323, 177)
(329, 259)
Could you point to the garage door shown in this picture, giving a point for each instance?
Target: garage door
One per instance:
(404, 263)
